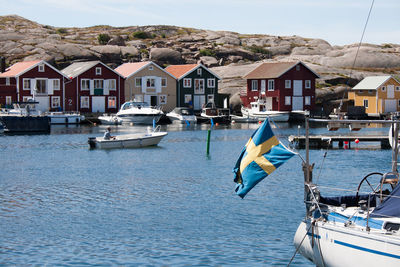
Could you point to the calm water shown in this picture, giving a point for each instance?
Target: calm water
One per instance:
(171, 205)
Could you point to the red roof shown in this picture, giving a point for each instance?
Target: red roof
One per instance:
(18, 68)
(128, 69)
(269, 70)
(179, 70)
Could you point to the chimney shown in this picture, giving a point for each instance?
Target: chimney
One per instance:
(2, 64)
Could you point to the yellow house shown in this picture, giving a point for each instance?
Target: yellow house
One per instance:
(378, 94)
(148, 82)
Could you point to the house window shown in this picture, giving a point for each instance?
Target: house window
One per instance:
(199, 71)
(188, 99)
(187, 83)
(55, 101)
(151, 68)
(98, 71)
(150, 82)
(297, 67)
(288, 83)
(254, 85)
(8, 100)
(163, 82)
(307, 100)
(211, 83)
(27, 84)
(138, 82)
(8, 81)
(288, 100)
(162, 99)
(98, 84)
(366, 103)
(85, 84)
(84, 102)
(41, 86)
(199, 86)
(112, 84)
(210, 98)
(271, 85)
(56, 84)
(383, 88)
(307, 84)
(112, 102)
(397, 88)
(41, 68)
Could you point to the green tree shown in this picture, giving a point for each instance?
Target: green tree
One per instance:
(103, 38)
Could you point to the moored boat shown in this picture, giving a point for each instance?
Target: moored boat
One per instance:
(210, 113)
(109, 119)
(138, 113)
(182, 115)
(259, 112)
(364, 226)
(135, 140)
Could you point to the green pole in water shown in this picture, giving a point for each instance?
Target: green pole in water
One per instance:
(208, 141)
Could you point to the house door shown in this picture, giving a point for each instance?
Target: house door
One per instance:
(43, 105)
(98, 104)
(268, 103)
(297, 88)
(198, 101)
(390, 91)
(151, 100)
(390, 105)
(297, 103)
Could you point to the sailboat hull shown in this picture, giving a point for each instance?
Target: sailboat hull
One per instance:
(331, 245)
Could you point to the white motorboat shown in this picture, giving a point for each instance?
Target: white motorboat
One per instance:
(182, 115)
(138, 113)
(353, 230)
(135, 140)
(259, 112)
(65, 118)
(109, 119)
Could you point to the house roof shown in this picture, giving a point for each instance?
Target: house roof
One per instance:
(78, 68)
(371, 82)
(19, 68)
(269, 70)
(180, 71)
(128, 69)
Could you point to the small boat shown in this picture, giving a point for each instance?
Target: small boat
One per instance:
(107, 119)
(259, 112)
(360, 229)
(138, 113)
(135, 140)
(182, 115)
(210, 113)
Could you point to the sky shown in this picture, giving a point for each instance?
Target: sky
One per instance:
(339, 22)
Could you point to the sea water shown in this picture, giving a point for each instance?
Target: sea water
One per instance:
(170, 205)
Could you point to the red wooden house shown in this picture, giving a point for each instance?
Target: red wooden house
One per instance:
(33, 79)
(93, 87)
(284, 86)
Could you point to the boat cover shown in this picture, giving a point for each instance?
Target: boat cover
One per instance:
(390, 206)
(349, 201)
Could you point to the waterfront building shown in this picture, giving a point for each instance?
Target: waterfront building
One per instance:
(196, 86)
(282, 86)
(379, 95)
(148, 82)
(93, 87)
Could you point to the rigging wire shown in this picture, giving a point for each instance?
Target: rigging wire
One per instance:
(358, 50)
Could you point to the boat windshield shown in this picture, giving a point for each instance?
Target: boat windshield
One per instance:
(129, 105)
(186, 111)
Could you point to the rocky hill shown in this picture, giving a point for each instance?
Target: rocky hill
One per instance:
(229, 54)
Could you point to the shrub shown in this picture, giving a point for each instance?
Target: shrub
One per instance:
(207, 52)
(103, 38)
(258, 49)
(140, 35)
(61, 31)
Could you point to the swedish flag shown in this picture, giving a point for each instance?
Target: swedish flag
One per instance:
(262, 155)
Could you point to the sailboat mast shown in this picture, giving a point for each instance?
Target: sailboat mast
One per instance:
(395, 145)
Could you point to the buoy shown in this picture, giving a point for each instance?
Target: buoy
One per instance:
(95, 124)
(216, 124)
(346, 142)
(259, 122)
(357, 141)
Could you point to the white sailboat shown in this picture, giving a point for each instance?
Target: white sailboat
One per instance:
(352, 230)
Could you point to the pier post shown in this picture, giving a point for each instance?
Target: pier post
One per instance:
(340, 144)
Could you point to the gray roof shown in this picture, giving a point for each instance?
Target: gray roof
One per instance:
(77, 68)
(371, 82)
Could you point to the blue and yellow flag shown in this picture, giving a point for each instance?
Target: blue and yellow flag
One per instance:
(262, 155)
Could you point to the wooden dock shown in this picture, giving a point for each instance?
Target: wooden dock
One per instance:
(326, 141)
